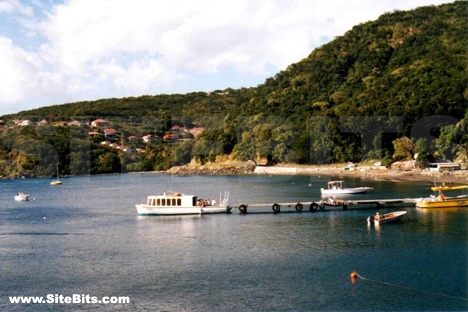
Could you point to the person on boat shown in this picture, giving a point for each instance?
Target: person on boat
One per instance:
(331, 200)
(213, 202)
(378, 216)
(441, 196)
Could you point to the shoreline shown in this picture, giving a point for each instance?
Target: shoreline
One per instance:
(362, 171)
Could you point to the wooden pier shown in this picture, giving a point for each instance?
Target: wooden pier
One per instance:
(324, 205)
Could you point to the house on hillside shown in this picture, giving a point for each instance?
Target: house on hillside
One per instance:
(24, 123)
(150, 138)
(100, 123)
(171, 137)
(196, 131)
(43, 122)
(75, 123)
(93, 133)
(176, 129)
(110, 134)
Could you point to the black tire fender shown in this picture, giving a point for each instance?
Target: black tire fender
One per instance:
(313, 207)
(299, 207)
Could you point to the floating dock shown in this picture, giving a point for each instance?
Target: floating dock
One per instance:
(323, 205)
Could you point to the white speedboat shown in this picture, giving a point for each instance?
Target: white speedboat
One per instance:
(21, 197)
(337, 188)
(181, 204)
(388, 217)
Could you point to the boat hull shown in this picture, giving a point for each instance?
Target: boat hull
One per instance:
(146, 210)
(22, 197)
(355, 190)
(453, 203)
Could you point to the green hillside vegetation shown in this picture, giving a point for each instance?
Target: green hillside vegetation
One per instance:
(385, 90)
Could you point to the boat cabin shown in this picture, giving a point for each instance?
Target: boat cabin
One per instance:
(335, 185)
(173, 200)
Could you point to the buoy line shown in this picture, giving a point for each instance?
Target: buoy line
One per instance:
(354, 274)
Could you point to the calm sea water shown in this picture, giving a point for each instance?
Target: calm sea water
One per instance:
(84, 237)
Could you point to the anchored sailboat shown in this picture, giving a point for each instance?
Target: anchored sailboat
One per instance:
(57, 181)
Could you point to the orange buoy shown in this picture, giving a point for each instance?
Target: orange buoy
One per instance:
(353, 276)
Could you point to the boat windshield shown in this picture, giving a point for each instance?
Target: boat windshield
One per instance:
(335, 185)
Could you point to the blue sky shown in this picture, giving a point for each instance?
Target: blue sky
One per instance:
(54, 52)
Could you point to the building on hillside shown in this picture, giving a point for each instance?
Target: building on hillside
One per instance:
(23, 123)
(176, 129)
(100, 123)
(75, 123)
(171, 137)
(150, 138)
(93, 133)
(196, 131)
(110, 134)
(43, 122)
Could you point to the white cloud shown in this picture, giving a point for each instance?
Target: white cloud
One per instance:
(204, 35)
(111, 48)
(18, 66)
(9, 6)
(140, 77)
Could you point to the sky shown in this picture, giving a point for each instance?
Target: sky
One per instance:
(56, 51)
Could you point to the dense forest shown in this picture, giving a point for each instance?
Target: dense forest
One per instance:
(386, 90)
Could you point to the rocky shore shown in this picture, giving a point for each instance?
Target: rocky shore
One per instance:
(364, 172)
(227, 170)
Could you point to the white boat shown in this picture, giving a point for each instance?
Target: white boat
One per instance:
(388, 217)
(57, 181)
(21, 197)
(337, 188)
(181, 204)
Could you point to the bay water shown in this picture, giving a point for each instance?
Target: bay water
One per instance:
(84, 237)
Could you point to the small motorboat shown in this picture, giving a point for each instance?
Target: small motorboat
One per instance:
(386, 218)
(337, 188)
(21, 197)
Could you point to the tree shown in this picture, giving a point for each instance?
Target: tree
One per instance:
(404, 148)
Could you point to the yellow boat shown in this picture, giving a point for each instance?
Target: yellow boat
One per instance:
(441, 201)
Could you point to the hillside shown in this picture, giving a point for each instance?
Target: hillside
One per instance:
(348, 100)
